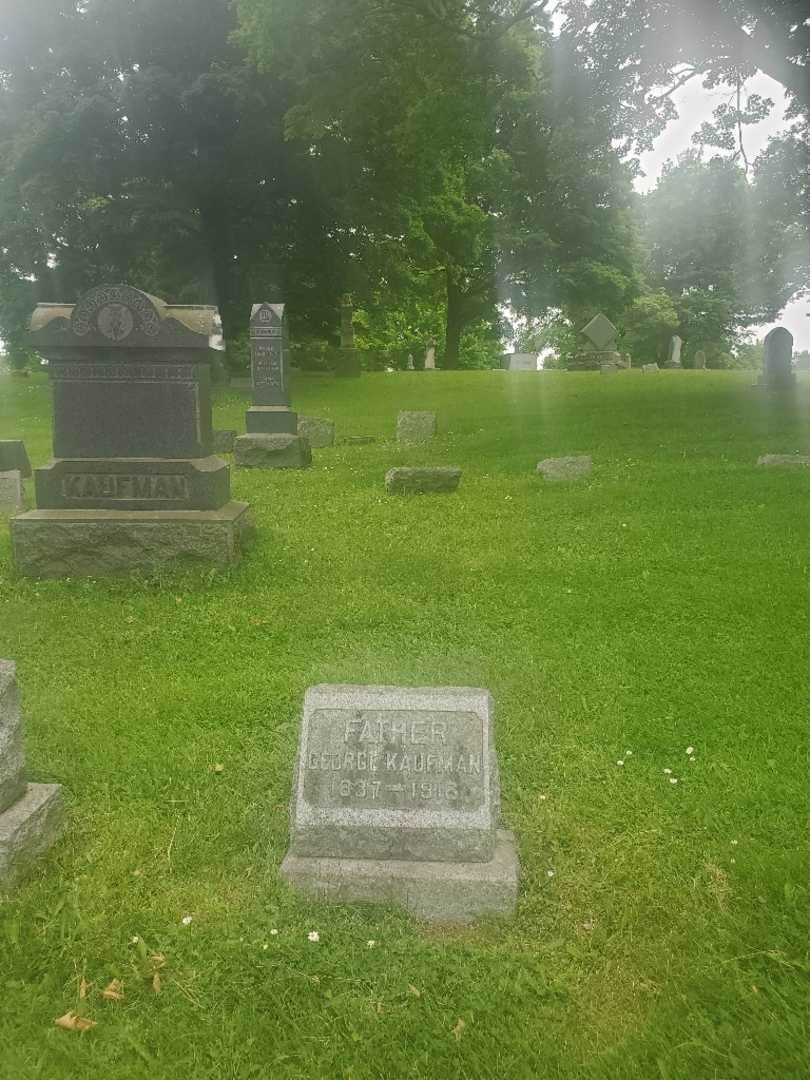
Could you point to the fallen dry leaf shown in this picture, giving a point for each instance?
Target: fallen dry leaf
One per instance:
(114, 991)
(157, 959)
(71, 1022)
(156, 982)
(413, 990)
(84, 987)
(458, 1030)
(216, 768)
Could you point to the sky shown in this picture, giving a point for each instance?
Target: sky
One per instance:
(695, 105)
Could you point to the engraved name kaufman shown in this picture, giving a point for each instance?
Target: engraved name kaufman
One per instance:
(124, 486)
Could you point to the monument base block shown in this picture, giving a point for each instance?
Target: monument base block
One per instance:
(271, 420)
(28, 828)
(272, 452)
(96, 543)
(434, 891)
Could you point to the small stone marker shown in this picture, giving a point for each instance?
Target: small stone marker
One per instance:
(11, 491)
(608, 369)
(566, 468)
(780, 461)
(224, 441)
(421, 481)
(674, 353)
(395, 799)
(700, 360)
(416, 427)
(31, 815)
(360, 440)
(430, 355)
(14, 458)
(272, 440)
(134, 484)
(777, 371)
(521, 361)
(318, 433)
(649, 369)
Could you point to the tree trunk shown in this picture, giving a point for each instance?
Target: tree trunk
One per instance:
(216, 232)
(455, 322)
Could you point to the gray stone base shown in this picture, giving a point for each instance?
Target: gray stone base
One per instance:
(272, 452)
(433, 891)
(422, 481)
(95, 543)
(11, 491)
(29, 828)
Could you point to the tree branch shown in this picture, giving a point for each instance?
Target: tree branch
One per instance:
(682, 80)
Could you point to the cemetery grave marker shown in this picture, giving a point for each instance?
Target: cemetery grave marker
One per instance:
(565, 468)
(421, 481)
(674, 352)
(777, 367)
(416, 427)
(601, 348)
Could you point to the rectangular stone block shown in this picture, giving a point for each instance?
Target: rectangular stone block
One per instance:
(271, 420)
(649, 369)
(11, 491)
(394, 773)
(272, 452)
(318, 433)
(131, 484)
(445, 892)
(12, 754)
(132, 407)
(416, 427)
(13, 457)
(421, 481)
(96, 543)
(28, 828)
(784, 461)
(565, 468)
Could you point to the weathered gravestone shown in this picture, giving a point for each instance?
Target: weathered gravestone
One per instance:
(422, 481)
(31, 815)
(416, 427)
(565, 468)
(430, 355)
(319, 433)
(13, 458)
(396, 798)
(272, 440)
(11, 491)
(521, 361)
(649, 369)
(600, 349)
(134, 484)
(700, 360)
(674, 352)
(782, 461)
(347, 363)
(777, 366)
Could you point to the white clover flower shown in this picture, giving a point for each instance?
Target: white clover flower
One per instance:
(668, 771)
(186, 920)
(371, 944)
(543, 798)
(550, 873)
(628, 753)
(273, 933)
(313, 935)
(690, 750)
(620, 763)
(135, 940)
(265, 947)
(693, 759)
(673, 780)
(734, 843)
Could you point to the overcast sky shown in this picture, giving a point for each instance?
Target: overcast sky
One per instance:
(696, 105)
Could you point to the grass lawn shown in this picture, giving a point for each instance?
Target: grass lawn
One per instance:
(663, 930)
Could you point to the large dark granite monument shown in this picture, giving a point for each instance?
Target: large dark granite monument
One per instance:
(272, 440)
(777, 370)
(134, 484)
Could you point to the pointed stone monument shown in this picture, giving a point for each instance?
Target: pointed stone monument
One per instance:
(272, 440)
(674, 352)
(134, 484)
(601, 348)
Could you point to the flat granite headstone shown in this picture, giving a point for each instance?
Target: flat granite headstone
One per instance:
(430, 355)
(13, 457)
(360, 440)
(31, 815)
(700, 360)
(521, 361)
(273, 452)
(781, 461)
(11, 491)
(416, 427)
(134, 484)
(396, 799)
(649, 369)
(318, 433)
(422, 480)
(566, 468)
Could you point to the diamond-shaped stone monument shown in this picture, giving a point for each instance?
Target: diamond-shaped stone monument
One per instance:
(601, 347)
(134, 484)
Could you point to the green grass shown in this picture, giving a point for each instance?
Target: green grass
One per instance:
(661, 604)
